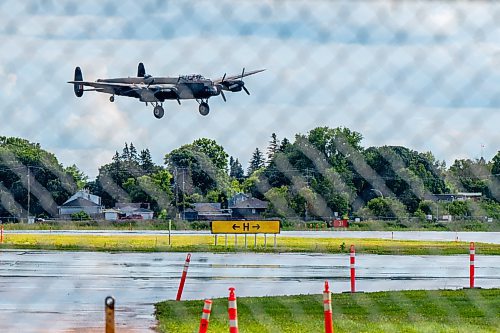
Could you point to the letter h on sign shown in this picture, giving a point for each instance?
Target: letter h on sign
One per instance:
(246, 226)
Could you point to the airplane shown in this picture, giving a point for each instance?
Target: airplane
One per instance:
(155, 90)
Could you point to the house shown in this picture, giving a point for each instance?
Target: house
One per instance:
(85, 194)
(81, 201)
(111, 214)
(206, 211)
(250, 208)
(146, 214)
(134, 210)
(239, 197)
(460, 196)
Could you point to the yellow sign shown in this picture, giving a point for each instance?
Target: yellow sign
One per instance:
(246, 227)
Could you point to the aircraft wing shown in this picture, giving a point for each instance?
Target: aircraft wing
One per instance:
(236, 77)
(103, 84)
(100, 86)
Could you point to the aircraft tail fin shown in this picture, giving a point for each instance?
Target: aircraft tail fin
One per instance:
(141, 71)
(78, 88)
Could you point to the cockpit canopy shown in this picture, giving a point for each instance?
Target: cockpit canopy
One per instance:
(193, 77)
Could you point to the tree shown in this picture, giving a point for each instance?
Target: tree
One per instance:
(471, 176)
(133, 153)
(285, 143)
(199, 167)
(278, 202)
(384, 208)
(78, 176)
(408, 174)
(213, 151)
(146, 162)
(273, 147)
(459, 208)
(125, 153)
(495, 167)
(235, 169)
(256, 162)
(51, 183)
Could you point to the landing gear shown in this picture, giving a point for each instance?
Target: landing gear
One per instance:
(204, 108)
(158, 111)
(112, 98)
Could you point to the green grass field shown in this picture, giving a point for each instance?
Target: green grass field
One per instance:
(205, 243)
(406, 311)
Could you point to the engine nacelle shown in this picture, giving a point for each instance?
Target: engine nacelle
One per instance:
(78, 88)
(235, 86)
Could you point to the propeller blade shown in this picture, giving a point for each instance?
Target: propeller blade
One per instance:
(246, 90)
(223, 96)
(243, 72)
(223, 77)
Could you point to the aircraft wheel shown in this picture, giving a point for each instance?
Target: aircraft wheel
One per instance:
(112, 99)
(158, 111)
(204, 109)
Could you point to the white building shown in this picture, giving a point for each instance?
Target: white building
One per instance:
(81, 201)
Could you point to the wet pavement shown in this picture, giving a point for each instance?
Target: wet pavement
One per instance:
(51, 291)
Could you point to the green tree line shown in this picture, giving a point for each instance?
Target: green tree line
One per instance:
(315, 175)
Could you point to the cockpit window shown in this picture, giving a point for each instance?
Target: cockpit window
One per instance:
(193, 77)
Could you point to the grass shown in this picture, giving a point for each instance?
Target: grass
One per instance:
(403, 311)
(205, 243)
(368, 225)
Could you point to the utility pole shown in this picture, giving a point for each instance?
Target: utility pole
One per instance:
(308, 183)
(28, 217)
(183, 196)
(176, 187)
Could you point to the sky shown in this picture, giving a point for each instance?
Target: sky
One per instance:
(421, 74)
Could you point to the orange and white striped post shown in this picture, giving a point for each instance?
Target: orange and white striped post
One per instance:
(327, 307)
(353, 269)
(472, 252)
(233, 312)
(205, 316)
(183, 278)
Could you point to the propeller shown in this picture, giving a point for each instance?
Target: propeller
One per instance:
(234, 85)
(243, 83)
(223, 96)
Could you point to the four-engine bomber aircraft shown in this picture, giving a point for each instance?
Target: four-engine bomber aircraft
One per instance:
(156, 90)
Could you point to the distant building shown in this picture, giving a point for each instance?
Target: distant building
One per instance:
(206, 211)
(133, 210)
(111, 214)
(249, 208)
(146, 214)
(460, 196)
(81, 201)
(239, 197)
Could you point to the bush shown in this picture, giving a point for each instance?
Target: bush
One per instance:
(284, 223)
(80, 216)
(475, 226)
(200, 225)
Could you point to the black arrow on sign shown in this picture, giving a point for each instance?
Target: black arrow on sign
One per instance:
(236, 226)
(256, 226)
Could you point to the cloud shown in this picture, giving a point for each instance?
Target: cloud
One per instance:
(8, 82)
(398, 72)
